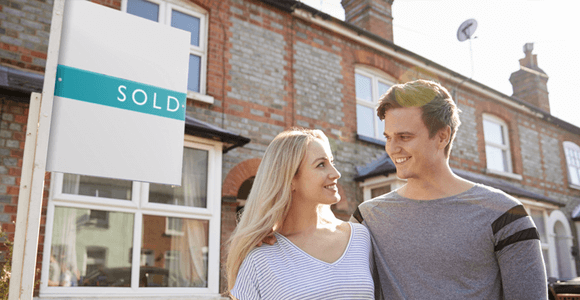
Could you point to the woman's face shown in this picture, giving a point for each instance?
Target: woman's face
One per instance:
(316, 179)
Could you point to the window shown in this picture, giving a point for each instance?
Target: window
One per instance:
(370, 85)
(189, 18)
(497, 148)
(115, 237)
(539, 216)
(573, 161)
(555, 238)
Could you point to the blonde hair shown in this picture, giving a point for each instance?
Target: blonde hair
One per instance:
(438, 108)
(270, 197)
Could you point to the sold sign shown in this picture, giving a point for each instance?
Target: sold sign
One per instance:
(120, 96)
(120, 93)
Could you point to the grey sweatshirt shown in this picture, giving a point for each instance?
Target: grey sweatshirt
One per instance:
(480, 244)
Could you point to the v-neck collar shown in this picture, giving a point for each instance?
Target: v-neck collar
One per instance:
(283, 238)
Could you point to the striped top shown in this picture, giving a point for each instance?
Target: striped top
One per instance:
(284, 271)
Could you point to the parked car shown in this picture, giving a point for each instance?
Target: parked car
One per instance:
(121, 277)
(564, 289)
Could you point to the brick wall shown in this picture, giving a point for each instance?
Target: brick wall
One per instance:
(14, 116)
(24, 32)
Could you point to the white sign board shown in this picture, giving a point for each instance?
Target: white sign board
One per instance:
(120, 96)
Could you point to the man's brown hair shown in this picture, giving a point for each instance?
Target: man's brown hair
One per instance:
(438, 108)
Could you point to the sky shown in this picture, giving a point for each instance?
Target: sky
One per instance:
(429, 28)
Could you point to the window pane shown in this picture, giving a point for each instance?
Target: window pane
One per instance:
(183, 260)
(381, 128)
(96, 187)
(574, 175)
(495, 159)
(363, 87)
(364, 121)
(144, 9)
(383, 88)
(493, 132)
(546, 261)
(193, 189)
(194, 70)
(538, 217)
(187, 23)
(84, 253)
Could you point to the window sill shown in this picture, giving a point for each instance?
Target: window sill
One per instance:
(199, 97)
(504, 174)
(574, 186)
(370, 140)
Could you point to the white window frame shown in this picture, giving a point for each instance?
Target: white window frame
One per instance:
(504, 127)
(139, 206)
(551, 215)
(165, 8)
(375, 76)
(172, 231)
(380, 181)
(571, 148)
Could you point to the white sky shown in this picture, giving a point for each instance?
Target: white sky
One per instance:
(429, 28)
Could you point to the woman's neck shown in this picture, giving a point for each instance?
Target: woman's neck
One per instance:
(304, 220)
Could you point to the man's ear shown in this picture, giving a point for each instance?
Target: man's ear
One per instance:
(443, 136)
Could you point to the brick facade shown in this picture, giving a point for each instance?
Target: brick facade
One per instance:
(268, 70)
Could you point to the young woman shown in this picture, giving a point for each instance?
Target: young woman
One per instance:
(316, 256)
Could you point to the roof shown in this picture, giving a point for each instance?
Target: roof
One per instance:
(384, 166)
(202, 129)
(291, 5)
(20, 81)
(381, 166)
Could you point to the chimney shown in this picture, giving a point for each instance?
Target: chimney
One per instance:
(530, 83)
(372, 15)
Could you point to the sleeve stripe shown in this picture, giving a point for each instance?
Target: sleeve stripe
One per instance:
(526, 234)
(509, 216)
(358, 216)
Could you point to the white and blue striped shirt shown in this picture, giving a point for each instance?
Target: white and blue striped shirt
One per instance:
(284, 271)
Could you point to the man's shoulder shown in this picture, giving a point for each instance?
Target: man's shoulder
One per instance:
(494, 198)
(380, 199)
(366, 207)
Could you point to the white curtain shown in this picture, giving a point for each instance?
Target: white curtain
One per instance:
(192, 245)
(64, 242)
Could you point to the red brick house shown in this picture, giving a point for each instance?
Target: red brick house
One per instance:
(258, 67)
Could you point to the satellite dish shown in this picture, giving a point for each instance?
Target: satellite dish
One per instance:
(466, 30)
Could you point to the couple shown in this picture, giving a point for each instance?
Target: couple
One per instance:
(437, 237)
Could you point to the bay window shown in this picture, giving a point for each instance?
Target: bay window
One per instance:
(117, 237)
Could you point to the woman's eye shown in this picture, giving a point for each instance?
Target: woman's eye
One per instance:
(321, 164)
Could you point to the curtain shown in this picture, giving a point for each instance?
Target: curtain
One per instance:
(63, 248)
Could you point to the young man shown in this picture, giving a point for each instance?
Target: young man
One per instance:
(440, 236)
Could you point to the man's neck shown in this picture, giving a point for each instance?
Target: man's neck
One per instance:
(437, 185)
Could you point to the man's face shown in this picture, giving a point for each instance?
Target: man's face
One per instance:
(408, 144)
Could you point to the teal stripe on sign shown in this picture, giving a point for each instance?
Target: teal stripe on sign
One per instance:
(116, 92)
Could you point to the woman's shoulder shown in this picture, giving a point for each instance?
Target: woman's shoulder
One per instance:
(263, 252)
(360, 233)
(359, 228)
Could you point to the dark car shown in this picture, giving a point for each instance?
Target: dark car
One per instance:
(564, 289)
(121, 277)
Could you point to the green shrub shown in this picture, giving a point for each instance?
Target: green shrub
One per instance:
(5, 269)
